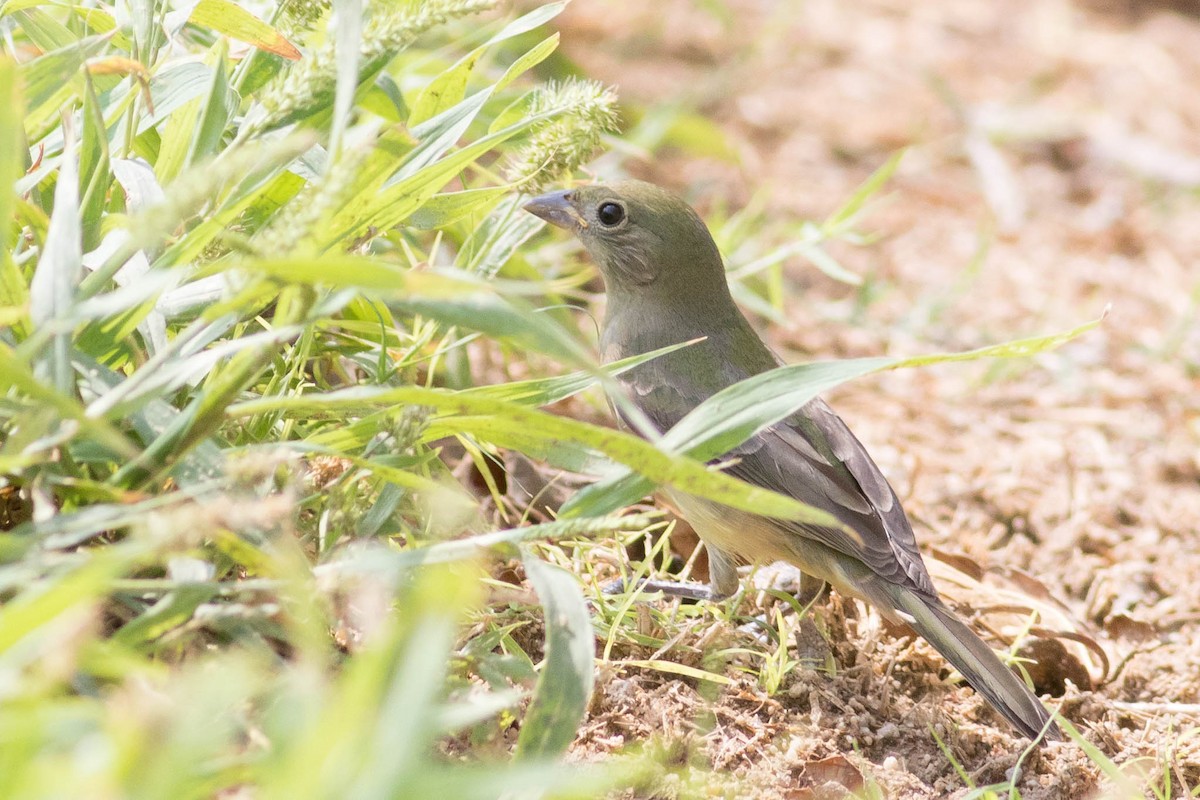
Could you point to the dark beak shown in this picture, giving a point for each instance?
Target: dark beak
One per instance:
(556, 209)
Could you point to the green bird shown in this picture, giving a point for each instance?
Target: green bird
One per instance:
(666, 284)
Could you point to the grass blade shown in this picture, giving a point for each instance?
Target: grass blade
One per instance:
(564, 686)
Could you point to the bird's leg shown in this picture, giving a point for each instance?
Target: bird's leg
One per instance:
(812, 648)
(811, 590)
(723, 582)
(688, 591)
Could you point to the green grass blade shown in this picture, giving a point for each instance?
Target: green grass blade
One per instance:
(502, 420)
(58, 272)
(13, 293)
(733, 415)
(564, 686)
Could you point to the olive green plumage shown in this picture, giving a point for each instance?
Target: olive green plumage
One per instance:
(666, 284)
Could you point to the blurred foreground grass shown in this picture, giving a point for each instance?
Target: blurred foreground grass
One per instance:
(197, 599)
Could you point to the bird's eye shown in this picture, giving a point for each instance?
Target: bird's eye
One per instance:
(610, 214)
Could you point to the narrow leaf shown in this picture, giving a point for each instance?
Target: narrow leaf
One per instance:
(845, 215)
(530, 59)
(237, 23)
(13, 293)
(733, 415)
(545, 391)
(443, 209)
(17, 375)
(52, 289)
(679, 471)
(348, 36)
(215, 111)
(445, 90)
(95, 174)
(564, 686)
(50, 79)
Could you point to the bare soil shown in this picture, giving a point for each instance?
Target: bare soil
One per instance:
(1053, 169)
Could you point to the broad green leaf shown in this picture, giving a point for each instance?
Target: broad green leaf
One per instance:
(235, 22)
(446, 90)
(176, 141)
(560, 453)
(680, 472)
(49, 80)
(183, 434)
(172, 87)
(512, 113)
(426, 169)
(361, 273)
(437, 135)
(143, 19)
(564, 686)
(187, 357)
(443, 209)
(12, 6)
(390, 150)
(546, 391)
(43, 30)
(383, 99)
(100, 21)
(733, 415)
(373, 205)
(420, 178)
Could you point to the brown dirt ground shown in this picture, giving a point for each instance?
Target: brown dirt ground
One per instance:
(1067, 136)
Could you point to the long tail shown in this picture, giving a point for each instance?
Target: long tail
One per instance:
(975, 660)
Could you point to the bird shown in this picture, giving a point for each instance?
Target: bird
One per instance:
(666, 284)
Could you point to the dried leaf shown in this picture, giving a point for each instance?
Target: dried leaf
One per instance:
(1010, 604)
(832, 778)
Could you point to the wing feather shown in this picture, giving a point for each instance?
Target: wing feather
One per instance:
(812, 457)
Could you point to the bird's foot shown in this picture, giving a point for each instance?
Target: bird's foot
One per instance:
(812, 646)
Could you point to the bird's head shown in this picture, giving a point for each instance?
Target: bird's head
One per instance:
(644, 239)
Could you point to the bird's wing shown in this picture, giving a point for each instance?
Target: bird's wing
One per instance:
(813, 457)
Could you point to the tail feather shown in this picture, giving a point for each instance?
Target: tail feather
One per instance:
(983, 670)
